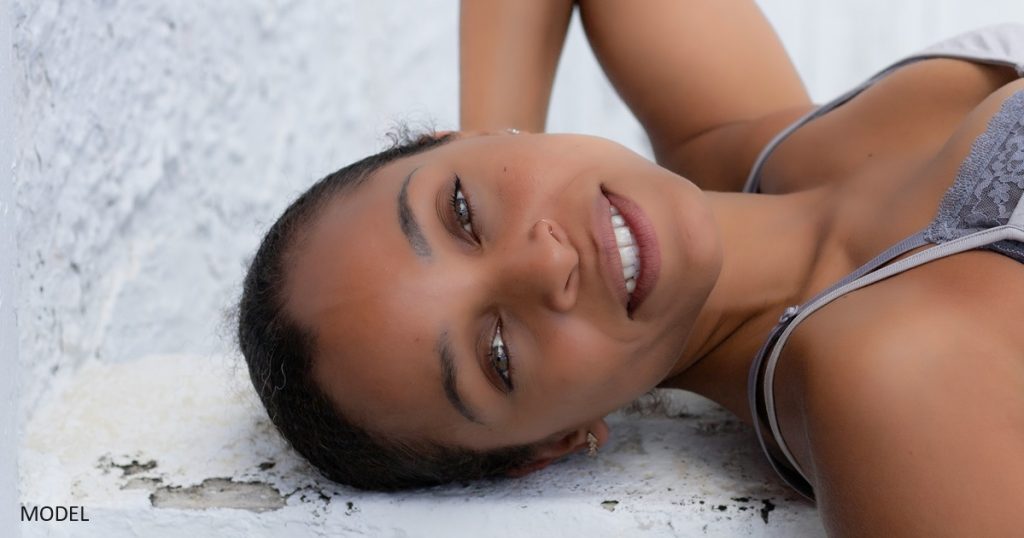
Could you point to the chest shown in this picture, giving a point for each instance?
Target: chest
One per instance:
(885, 156)
(871, 142)
(886, 191)
(888, 156)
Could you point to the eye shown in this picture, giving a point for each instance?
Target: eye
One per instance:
(501, 358)
(460, 206)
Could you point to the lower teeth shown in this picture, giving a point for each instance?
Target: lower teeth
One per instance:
(630, 285)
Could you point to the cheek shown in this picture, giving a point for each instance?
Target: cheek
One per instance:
(578, 358)
(530, 181)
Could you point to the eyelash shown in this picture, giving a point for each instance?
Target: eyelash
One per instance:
(500, 356)
(465, 207)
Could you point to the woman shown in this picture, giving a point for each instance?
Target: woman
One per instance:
(474, 303)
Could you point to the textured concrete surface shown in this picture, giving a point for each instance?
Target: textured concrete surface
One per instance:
(157, 140)
(9, 379)
(156, 444)
(153, 143)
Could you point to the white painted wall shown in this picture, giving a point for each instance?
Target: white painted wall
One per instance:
(155, 141)
(837, 44)
(9, 377)
(834, 44)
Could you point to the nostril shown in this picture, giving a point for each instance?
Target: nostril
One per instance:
(551, 229)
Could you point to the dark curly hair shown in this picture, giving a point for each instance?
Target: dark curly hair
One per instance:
(280, 354)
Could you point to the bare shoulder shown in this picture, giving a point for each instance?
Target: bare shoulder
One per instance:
(950, 344)
(957, 316)
(914, 423)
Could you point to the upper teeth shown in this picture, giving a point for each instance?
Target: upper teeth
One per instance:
(629, 252)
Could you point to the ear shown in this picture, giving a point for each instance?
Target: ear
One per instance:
(574, 441)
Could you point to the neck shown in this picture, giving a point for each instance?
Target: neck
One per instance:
(772, 247)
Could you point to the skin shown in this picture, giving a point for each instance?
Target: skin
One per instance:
(877, 377)
(378, 307)
(673, 63)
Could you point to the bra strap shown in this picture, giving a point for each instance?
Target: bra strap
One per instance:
(904, 246)
(763, 417)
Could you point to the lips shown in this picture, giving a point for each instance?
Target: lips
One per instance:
(611, 264)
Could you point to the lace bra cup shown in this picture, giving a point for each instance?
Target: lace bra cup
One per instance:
(982, 209)
(988, 187)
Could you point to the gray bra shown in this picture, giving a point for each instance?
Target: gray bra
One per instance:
(983, 209)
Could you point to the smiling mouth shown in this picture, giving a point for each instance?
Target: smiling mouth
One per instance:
(636, 241)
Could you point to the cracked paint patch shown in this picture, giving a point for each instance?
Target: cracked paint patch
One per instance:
(766, 508)
(215, 462)
(219, 493)
(142, 482)
(131, 467)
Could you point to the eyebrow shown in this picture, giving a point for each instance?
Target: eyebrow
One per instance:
(413, 233)
(448, 380)
(407, 221)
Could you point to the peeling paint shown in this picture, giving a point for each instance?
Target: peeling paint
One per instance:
(135, 467)
(766, 508)
(219, 493)
(214, 455)
(140, 482)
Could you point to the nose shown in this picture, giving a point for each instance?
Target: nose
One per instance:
(547, 266)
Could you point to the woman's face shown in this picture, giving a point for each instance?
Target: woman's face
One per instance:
(406, 292)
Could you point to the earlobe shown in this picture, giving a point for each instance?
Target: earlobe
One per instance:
(573, 441)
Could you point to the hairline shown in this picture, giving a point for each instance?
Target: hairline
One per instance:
(362, 175)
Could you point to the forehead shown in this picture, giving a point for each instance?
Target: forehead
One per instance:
(373, 304)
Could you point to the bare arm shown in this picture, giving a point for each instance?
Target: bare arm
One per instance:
(697, 74)
(508, 54)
